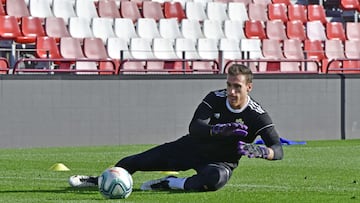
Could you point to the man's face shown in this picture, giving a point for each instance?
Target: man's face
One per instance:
(237, 90)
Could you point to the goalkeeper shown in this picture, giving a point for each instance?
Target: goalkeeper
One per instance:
(221, 131)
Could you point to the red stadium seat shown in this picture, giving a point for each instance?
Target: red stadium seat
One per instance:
(47, 47)
(257, 12)
(174, 10)
(2, 9)
(129, 9)
(335, 30)
(278, 11)
(286, 2)
(297, 12)
(9, 28)
(314, 49)
(31, 27)
(350, 5)
(295, 30)
(254, 29)
(334, 49)
(316, 12)
(108, 9)
(352, 51)
(271, 49)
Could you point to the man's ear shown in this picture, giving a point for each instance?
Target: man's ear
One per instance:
(249, 87)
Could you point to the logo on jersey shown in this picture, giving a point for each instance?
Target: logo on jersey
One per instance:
(217, 115)
(239, 120)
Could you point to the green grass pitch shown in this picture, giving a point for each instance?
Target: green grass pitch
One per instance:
(320, 171)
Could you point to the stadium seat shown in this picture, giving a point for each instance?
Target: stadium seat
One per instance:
(335, 30)
(129, 9)
(85, 9)
(216, 11)
(164, 48)
(233, 29)
(350, 5)
(191, 29)
(275, 29)
(352, 30)
(152, 9)
(17, 8)
(293, 50)
(94, 48)
(254, 29)
(295, 30)
(258, 12)
(47, 47)
(272, 49)
(208, 50)
(352, 51)
(334, 49)
(316, 13)
(125, 29)
(202, 2)
(173, 9)
(195, 11)
(31, 27)
(237, 11)
(169, 28)
(108, 9)
(230, 49)
(140, 48)
(263, 2)
(102, 28)
(71, 48)
(80, 27)
(315, 30)
(9, 28)
(40, 8)
(63, 9)
(2, 9)
(286, 2)
(314, 49)
(251, 49)
(297, 12)
(213, 29)
(277, 11)
(186, 49)
(55, 27)
(147, 28)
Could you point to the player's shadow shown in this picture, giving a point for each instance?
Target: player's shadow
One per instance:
(64, 190)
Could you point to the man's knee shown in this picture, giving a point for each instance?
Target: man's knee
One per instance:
(211, 178)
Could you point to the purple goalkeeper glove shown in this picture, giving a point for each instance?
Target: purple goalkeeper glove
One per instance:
(253, 151)
(229, 129)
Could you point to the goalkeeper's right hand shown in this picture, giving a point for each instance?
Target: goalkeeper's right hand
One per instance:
(253, 151)
(228, 129)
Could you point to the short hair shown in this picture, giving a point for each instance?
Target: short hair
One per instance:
(237, 69)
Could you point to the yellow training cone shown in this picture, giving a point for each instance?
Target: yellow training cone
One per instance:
(59, 167)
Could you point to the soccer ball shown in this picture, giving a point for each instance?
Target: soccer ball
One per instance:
(115, 183)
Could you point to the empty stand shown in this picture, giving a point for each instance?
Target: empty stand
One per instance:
(272, 49)
(208, 50)
(277, 11)
(79, 27)
(147, 28)
(195, 11)
(335, 30)
(213, 29)
(9, 28)
(258, 12)
(233, 29)
(334, 49)
(63, 9)
(47, 47)
(186, 48)
(40, 8)
(17, 8)
(254, 29)
(230, 49)
(293, 50)
(86, 9)
(315, 30)
(352, 30)
(352, 51)
(297, 12)
(55, 27)
(164, 49)
(295, 30)
(124, 28)
(108, 9)
(314, 49)
(316, 12)
(216, 11)
(191, 29)
(152, 9)
(129, 9)
(275, 29)
(173, 9)
(31, 27)
(103, 28)
(237, 11)
(169, 28)
(70, 48)
(251, 49)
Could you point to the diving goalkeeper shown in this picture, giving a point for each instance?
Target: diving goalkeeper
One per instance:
(222, 130)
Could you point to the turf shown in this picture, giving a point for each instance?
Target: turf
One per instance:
(320, 171)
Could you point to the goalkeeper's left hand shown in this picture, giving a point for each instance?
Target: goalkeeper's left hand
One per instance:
(253, 151)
